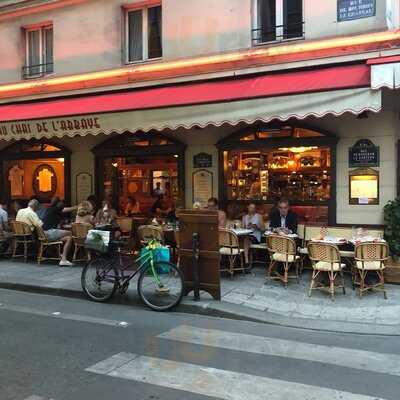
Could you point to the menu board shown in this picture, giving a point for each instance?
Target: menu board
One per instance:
(348, 10)
(83, 186)
(202, 186)
(364, 187)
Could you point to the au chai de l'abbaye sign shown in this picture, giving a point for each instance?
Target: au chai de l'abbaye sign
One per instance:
(364, 154)
(348, 10)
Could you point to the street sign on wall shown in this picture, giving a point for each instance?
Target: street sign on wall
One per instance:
(348, 10)
(364, 154)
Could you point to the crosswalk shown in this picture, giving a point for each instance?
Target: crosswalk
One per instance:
(233, 385)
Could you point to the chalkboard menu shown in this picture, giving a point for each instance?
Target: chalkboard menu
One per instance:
(348, 10)
(202, 160)
(364, 154)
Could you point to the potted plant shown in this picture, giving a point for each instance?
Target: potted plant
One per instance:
(392, 227)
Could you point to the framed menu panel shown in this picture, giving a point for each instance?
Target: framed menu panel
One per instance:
(202, 186)
(84, 186)
(364, 186)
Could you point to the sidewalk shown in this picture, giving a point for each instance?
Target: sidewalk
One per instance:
(246, 297)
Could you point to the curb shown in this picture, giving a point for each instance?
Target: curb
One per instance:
(231, 311)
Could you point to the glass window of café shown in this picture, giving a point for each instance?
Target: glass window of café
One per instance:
(266, 163)
(35, 168)
(140, 167)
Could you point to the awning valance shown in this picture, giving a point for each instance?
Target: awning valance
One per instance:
(299, 106)
(386, 74)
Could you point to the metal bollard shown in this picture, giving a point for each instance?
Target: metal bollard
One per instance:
(196, 254)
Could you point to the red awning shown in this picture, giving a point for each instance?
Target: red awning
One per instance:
(324, 79)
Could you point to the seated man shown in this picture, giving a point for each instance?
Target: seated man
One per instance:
(51, 221)
(252, 220)
(282, 218)
(28, 215)
(212, 204)
(5, 234)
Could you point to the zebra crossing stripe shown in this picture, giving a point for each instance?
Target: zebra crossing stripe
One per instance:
(344, 357)
(218, 383)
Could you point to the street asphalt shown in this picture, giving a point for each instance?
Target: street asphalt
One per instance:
(72, 349)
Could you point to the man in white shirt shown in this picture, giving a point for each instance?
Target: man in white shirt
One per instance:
(29, 216)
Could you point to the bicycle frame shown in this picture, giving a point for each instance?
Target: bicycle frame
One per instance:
(142, 260)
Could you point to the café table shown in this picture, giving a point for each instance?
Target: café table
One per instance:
(331, 240)
(289, 235)
(242, 231)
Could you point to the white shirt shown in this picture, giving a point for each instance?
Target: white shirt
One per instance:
(254, 219)
(28, 216)
(3, 218)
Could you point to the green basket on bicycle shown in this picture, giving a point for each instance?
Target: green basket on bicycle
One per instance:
(159, 254)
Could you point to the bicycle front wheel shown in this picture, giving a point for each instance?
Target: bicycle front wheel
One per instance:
(99, 279)
(161, 287)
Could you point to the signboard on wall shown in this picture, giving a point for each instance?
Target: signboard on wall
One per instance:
(202, 186)
(348, 10)
(84, 186)
(364, 154)
(364, 186)
(202, 160)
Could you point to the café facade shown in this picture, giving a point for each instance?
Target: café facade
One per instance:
(325, 137)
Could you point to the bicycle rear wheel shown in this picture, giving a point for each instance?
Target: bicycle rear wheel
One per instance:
(99, 279)
(161, 287)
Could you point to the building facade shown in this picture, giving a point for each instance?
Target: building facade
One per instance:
(244, 100)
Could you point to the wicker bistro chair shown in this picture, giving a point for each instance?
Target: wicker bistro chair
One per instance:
(44, 244)
(146, 233)
(229, 247)
(126, 225)
(282, 250)
(325, 258)
(22, 236)
(79, 232)
(370, 257)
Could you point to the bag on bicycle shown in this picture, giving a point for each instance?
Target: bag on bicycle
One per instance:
(98, 241)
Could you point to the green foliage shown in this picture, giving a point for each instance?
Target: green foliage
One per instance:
(392, 226)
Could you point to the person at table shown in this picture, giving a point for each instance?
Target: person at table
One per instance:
(254, 221)
(212, 204)
(4, 228)
(84, 214)
(51, 226)
(106, 215)
(283, 218)
(28, 216)
(92, 199)
(132, 207)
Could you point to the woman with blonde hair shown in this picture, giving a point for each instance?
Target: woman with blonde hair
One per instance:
(84, 213)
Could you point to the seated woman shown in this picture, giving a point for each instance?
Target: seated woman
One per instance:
(85, 213)
(132, 207)
(254, 221)
(106, 215)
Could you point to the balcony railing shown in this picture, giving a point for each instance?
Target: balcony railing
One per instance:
(37, 71)
(278, 33)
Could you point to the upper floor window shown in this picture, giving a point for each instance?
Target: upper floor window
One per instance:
(276, 20)
(39, 51)
(144, 33)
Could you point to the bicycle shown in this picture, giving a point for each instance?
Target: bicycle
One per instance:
(160, 284)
